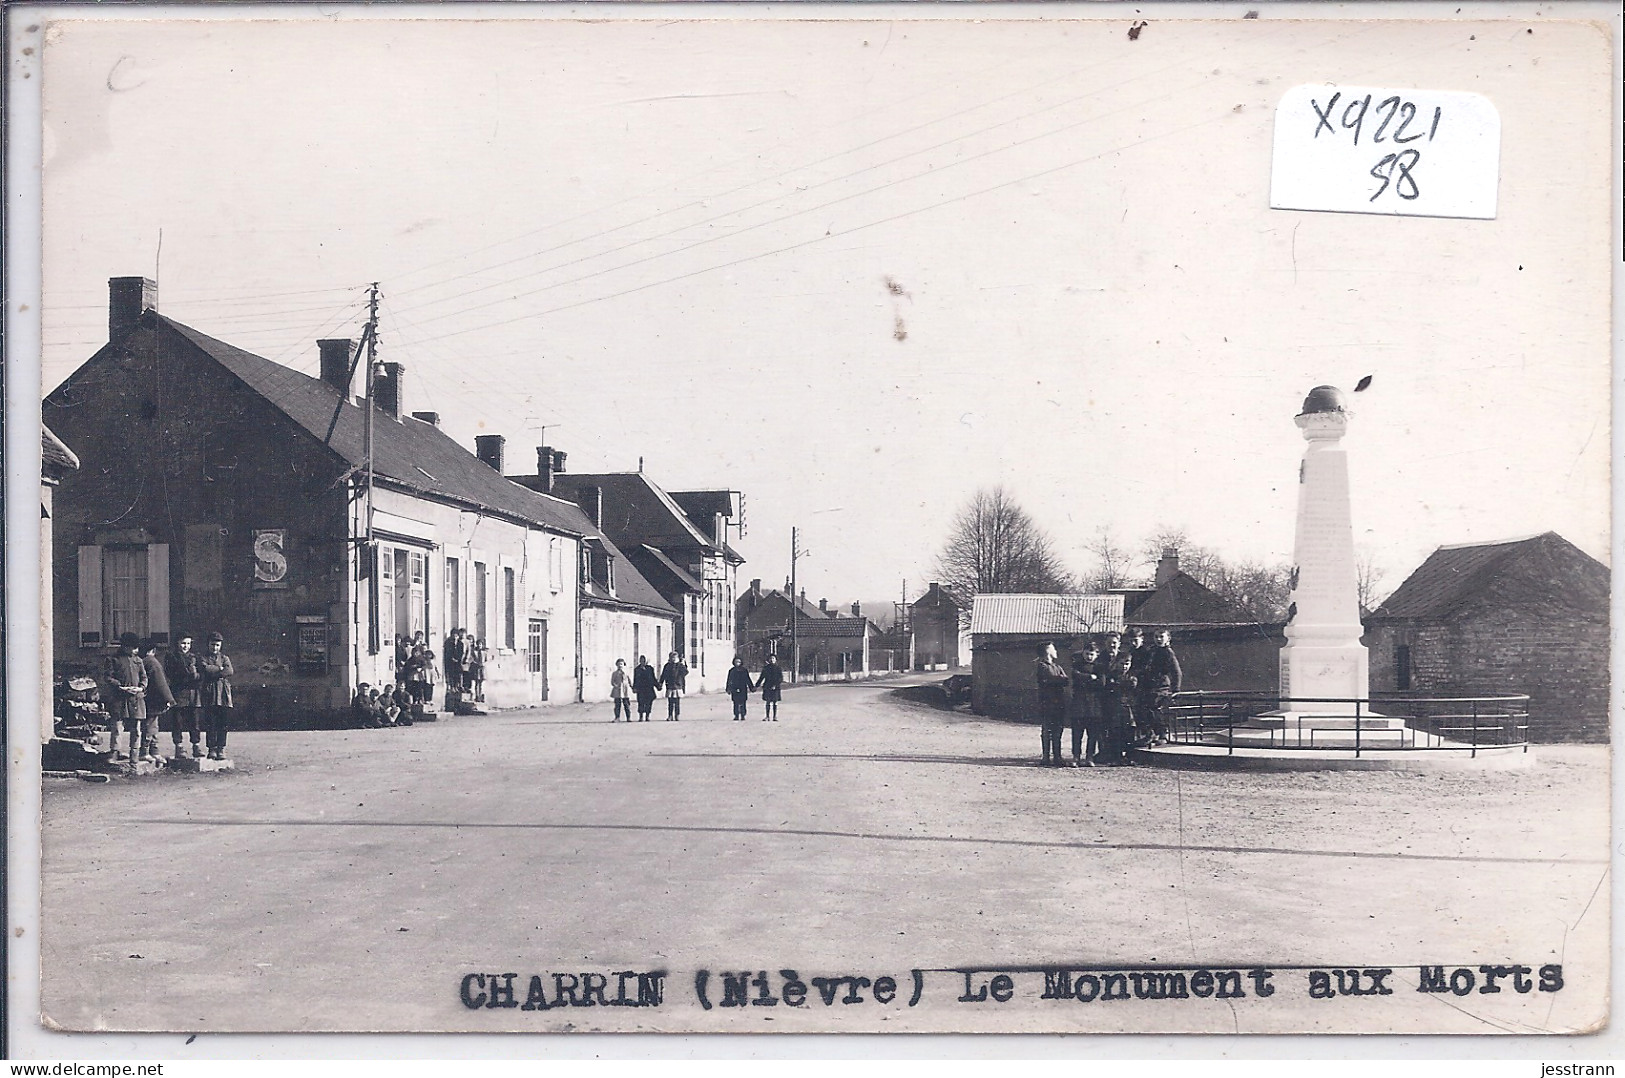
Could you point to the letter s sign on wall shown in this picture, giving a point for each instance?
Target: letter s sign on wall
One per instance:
(270, 560)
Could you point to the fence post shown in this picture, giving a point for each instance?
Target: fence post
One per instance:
(1230, 728)
(1356, 729)
(1475, 730)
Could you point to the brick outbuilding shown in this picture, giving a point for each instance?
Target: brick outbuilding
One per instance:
(1519, 616)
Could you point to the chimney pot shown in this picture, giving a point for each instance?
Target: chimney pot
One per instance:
(431, 418)
(128, 298)
(544, 468)
(336, 358)
(488, 447)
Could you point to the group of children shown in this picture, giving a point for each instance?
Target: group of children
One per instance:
(1118, 692)
(642, 685)
(144, 686)
(393, 705)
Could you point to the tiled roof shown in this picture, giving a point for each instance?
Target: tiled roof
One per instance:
(411, 453)
(658, 557)
(1454, 574)
(1183, 600)
(834, 627)
(631, 587)
(635, 509)
(1060, 615)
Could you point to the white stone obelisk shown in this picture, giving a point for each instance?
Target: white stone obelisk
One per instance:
(1323, 656)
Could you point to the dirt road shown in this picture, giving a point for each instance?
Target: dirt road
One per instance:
(352, 880)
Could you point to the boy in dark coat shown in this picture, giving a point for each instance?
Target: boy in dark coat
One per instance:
(644, 686)
(1085, 710)
(125, 676)
(1052, 686)
(1159, 679)
(180, 667)
(159, 699)
(673, 680)
(1116, 669)
(739, 687)
(215, 671)
(771, 683)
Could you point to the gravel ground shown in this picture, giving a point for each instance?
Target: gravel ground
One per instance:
(349, 880)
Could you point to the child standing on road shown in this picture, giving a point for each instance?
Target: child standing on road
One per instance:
(771, 682)
(214, 671)
(674, 679)
(739, 688)
(620, 691)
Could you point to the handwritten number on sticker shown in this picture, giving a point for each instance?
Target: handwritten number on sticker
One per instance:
(1396, 169)
(1362, 104)
(1323, 119)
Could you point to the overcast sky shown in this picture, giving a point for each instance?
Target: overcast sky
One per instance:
(857, 270)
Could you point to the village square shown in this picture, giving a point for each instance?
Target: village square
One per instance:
(934, 567)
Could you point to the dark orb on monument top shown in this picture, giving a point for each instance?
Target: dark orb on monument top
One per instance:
(1324, 399)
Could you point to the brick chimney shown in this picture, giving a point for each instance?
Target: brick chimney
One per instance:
(548, 464)
(128, 298)
(387, 385)
(823, 604)
(337, 356)
(431, 418)
(1167, 566)
(591, 500)
(857, 610)
(488, 447)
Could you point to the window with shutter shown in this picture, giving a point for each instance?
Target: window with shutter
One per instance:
(90, 597)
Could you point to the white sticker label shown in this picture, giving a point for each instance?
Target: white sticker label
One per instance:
(1358, 149)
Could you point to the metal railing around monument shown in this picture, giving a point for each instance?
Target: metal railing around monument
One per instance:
(1333, 724)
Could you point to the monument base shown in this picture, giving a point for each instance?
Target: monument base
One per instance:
(1309, 729)
(1249, 758)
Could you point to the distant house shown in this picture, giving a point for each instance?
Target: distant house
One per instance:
(56, 462)
(935, 620)
(677, 540)
(1520, 616)
(835, 647)
(1006, 632)
(761, 618)
(1219, 645)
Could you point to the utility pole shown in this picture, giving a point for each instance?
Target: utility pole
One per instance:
(369, 550)
(372, 379)
(796, 554)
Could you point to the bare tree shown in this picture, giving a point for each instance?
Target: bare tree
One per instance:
(1198, 561)
(1261, 591)
(996, 547)
(1368, 577)
(1111, 563)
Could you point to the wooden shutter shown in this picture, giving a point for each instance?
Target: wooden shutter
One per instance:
(158, 592)
(90, 596)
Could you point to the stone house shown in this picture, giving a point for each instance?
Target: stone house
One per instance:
(224, 492)
(1518, 616)
(935, 619)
